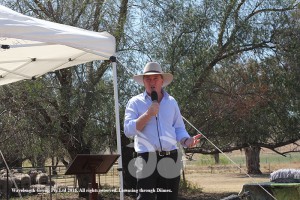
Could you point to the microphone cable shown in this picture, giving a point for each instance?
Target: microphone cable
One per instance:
(158, 135)
(154, 97)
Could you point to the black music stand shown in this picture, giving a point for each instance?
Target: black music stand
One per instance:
(91, 164)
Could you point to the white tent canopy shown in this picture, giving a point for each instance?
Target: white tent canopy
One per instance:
(31, 47)
(38, 46)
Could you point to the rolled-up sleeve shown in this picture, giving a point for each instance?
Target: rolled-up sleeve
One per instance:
(131, 116)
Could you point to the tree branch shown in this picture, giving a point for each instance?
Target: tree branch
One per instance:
(241, 146)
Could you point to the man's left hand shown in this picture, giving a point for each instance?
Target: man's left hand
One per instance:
(193, 141)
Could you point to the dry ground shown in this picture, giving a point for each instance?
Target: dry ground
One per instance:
(224, 183)
(229, 182)
(214, 185)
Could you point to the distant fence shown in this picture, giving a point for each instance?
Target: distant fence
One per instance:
(229, 168)
(214, 169)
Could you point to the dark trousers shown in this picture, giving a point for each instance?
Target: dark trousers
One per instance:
(158, 176)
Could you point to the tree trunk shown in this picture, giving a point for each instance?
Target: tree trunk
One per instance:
(217, 158)
(83, 182)
(54, 163)
(252, 160)
(83, 179)
(40, 162)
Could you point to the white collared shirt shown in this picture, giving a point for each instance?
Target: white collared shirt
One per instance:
(169, 124)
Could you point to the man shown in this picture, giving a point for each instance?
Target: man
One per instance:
(153, 118)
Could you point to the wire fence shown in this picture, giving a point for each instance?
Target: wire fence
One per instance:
(267, 168)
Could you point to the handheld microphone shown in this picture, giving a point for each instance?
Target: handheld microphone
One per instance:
(154, 96)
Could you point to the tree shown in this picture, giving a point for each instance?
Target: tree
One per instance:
(194, 40)
(253, 103)
(215, 49)
(71, 107)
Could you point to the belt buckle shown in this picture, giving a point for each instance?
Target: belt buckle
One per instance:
(164, 153)
(161, 153)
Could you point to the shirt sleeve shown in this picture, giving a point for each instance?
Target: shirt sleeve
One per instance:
(179, 125)
(131, 116)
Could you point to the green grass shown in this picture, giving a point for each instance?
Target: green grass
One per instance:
(265, 158)
(276, 158)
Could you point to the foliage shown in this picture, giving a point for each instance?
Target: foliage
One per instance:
(69, 110)
(235, 66)
(220, 53)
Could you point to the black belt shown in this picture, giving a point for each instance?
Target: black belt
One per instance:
(160, 153)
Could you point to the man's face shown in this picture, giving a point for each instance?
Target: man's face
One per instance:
(153, 82)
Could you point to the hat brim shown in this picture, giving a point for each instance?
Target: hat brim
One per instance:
(167, 77)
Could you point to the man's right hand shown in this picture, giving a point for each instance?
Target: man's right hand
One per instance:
(143, 119)
(153, 109)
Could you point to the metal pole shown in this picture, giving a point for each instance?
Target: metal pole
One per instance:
(50, 174)
(120, 168)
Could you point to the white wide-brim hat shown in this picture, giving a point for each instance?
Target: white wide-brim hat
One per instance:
(152, 68)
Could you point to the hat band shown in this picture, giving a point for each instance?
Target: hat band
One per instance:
(152, 71)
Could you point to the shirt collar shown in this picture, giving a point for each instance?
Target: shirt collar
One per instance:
(147, 96)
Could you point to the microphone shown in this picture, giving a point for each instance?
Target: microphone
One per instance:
(154, 96)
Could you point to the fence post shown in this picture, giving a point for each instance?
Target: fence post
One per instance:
(50, 181)
(99, 183)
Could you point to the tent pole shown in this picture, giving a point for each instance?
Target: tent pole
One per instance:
(120, 168)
